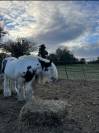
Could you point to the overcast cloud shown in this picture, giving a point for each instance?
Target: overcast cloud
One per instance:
(70, 23)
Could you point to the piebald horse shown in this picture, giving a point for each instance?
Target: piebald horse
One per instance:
(25, 71)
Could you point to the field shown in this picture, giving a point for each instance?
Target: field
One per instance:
(79, 71)
(82, 95)
(83, 115)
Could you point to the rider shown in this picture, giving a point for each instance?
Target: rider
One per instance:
(42, 51)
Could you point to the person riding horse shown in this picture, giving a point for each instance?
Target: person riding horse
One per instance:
(42, 52)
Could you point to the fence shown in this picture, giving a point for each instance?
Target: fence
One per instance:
(79, 71)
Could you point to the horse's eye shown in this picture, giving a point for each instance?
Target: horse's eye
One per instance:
(37, 64)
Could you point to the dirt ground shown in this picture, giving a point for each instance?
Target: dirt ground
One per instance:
(83, 96)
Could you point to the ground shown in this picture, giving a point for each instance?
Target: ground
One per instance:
(83, 96)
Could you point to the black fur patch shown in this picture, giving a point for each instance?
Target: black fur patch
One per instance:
(29, 67)
(3, 65)
(28, 76)
(45, 65)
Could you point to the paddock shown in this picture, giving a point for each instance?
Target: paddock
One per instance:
(83, 114)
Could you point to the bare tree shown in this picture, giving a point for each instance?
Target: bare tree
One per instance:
(20, 47)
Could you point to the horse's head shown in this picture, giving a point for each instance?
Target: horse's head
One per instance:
(45, 63)
(51, 72)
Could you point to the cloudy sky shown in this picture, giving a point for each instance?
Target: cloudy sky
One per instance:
(74, 24)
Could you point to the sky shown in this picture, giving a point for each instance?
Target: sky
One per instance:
(73, 24)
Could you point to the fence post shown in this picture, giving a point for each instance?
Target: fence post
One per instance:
(66, 72)
(84, 75)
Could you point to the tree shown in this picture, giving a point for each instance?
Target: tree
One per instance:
(97, 61)
(19, 47)
(53, 57)
(63, 56)
(2, 32)
(82, 60)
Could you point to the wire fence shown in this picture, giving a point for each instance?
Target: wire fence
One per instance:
(79, 71)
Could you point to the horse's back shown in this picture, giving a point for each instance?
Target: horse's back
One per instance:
(27, 57)
(25, 62)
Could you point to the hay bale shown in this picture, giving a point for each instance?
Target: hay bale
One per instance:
(42, 116)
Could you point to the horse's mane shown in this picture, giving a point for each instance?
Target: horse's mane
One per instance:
(43, 59)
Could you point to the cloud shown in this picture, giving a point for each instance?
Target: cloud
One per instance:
(54, 23)
(50, 19)
(57, 27)
(87, 51)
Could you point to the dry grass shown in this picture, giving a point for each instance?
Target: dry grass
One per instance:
(83, 114)
(46, 116)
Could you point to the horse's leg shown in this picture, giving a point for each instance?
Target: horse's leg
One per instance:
(49, 79)
(37, 79)
(44, 78)
(16, 88)
(21, 92)
(29, 90)
(41, 78)
(6, 90)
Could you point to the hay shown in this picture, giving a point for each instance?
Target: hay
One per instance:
(42, 116)
(47, 116)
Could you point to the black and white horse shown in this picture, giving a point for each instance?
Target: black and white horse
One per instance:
(25, 71)
(49, 71)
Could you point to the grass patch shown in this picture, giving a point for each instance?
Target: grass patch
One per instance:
(79, 71)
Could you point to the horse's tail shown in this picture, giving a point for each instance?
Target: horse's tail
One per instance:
(3, 65)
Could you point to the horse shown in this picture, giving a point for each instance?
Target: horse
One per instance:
(24, 71)
(6, 79)
(49, 71)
